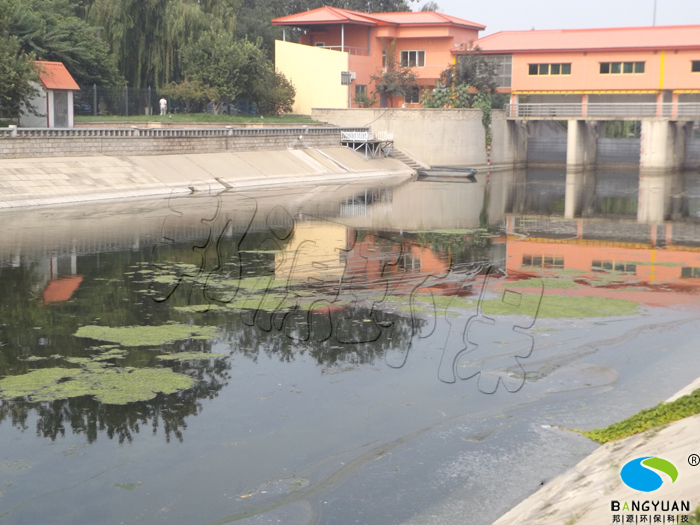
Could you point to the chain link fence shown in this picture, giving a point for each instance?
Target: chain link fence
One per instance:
(125, 101)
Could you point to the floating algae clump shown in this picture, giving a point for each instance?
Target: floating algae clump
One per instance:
(561, 306)
(146, 335)
(188, 356)
(113, 386)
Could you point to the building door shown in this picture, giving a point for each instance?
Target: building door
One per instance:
(60, 109)
(383, 100)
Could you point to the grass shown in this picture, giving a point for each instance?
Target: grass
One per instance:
(204, 118)
(648, 419)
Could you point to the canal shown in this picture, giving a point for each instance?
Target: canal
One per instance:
(375, 353)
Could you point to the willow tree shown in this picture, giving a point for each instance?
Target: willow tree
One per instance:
(147, 35)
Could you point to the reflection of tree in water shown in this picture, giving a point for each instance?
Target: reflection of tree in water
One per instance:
(373, 338)
(85, 415)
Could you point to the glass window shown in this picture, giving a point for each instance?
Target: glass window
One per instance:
(533, 69)
(412, 96)
(604, 68)
(566, 69)
(639, 67)
(628, 67)
(421, 59)
(558, 262)
(695, 66)
(597, 265)
(615, 67)
(412, 58)
(619, 267)
(527, 260)
(556, 68)
(631, 268)
(544, 69)
(607, 265)
(360, 89)
(548, 261)
(686, 272)
(537, 260)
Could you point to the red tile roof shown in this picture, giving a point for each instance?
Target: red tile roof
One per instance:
(335, 15)
(54, 75)
(660, 37)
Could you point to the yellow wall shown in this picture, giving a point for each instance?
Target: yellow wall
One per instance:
(315, 73)
(314, 251)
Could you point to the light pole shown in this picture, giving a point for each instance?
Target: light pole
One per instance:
(654, 13)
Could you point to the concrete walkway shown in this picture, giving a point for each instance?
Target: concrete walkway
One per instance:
(46, 181)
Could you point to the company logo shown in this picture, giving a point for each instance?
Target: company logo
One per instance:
(641, 473)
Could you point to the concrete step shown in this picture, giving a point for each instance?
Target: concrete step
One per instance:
(406, 159)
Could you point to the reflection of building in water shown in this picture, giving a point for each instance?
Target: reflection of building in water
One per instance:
(629, 251)
(313, 252)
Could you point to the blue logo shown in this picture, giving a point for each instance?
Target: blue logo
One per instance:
(641, 473)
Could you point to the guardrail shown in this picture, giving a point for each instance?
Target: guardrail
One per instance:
(134, 131)
(366, 136)
(352, 50)
(686, 110)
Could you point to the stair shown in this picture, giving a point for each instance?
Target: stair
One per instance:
(408, 161)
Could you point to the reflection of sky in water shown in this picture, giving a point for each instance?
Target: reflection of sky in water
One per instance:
(371, 345)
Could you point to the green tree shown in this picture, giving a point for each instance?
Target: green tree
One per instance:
(190, 93)
(17, 70)
(472, 69)
(50, 30)
(273, 92)
(393, 80)
(147, 36)
(233, 68)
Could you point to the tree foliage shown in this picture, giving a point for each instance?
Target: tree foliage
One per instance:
(472, 69)
(17, 71)
(393, 80)
(273, 93)
(50, 30)
(190, 93)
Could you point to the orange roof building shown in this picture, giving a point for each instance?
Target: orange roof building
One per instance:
(54, 102)
(338, 40)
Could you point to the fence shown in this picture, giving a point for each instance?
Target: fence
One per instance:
(126, 101)
(686, 110)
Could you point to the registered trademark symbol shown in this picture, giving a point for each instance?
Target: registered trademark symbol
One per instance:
(694, 460)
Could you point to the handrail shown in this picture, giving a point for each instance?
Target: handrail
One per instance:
(352, 50)
(135, 132)
(632, 109)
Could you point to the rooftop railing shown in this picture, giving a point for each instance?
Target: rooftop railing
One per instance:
(359, 51)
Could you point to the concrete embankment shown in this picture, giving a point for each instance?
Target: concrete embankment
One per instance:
(583, 495)
(59, 180)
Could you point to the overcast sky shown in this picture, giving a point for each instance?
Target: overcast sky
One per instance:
(503, 15)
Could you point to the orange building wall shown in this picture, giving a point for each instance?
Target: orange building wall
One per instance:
(585, 71)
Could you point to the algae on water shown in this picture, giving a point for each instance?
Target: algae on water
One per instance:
(110, 385)
(146, 335)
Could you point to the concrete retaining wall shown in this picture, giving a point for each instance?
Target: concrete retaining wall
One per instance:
(618, 151)
(437, 136)
(692, 154)
(76, 146)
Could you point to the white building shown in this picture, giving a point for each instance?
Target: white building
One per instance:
(54, 102)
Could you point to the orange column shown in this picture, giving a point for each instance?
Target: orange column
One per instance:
(584, 104)
(660, 104)
(674, 107)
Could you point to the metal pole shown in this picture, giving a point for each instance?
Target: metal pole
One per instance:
(150, 111)
(126, 101)
(654, 13)
(284, 34)
(342, 37)
(94, 99)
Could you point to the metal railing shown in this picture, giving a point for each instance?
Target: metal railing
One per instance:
(134, 131)
(604, 110)
(359, 51)
(366, 136)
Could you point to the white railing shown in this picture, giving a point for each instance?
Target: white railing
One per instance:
(359, 51)
(168, 133)
(605, 110)
(366, 136)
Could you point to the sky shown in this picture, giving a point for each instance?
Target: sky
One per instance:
(504, 15)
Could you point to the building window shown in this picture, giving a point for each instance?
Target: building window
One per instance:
(688, 272)
(360, 89)
(543, 261)
(617, 68)
(409, 262)
(412, 58)
(613, 266)
(502, 68)
(412, 95)
(320, 44)
(695, 66)
(549, 69)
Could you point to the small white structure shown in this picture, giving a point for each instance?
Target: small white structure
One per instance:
(54, 102)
